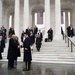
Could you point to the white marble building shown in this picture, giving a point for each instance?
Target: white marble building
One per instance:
(23, 11)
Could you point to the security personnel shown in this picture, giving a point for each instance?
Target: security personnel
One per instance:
(27, 52)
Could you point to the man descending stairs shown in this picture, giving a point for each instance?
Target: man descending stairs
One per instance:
(55, 51)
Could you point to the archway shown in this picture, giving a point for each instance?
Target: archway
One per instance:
(37, 10)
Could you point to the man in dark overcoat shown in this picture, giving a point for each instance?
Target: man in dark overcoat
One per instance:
(68, 31)
(50, 34)
(38, 42)
(27, 52)
(12, 52)
(2, 46)
(35, 30)
(40, 34)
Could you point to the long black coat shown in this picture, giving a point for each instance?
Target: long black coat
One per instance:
(38, 42)
(32, 39)
(18, 50)
(2, 45)
(27, 50)
(12, 50)
(35, 30)
(68, 31)
(41, 36)
(50, 34)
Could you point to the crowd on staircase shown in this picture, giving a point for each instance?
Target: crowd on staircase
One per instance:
(28, 38)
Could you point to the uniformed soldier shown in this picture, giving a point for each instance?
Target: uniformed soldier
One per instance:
(27, 52)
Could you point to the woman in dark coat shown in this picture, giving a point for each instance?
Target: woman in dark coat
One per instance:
(17, 51)
(2, 46)
(38, 42)
(12, 52)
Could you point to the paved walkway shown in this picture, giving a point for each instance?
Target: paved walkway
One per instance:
(39, 69)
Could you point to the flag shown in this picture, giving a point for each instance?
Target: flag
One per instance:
(40, 18)
(62, 18)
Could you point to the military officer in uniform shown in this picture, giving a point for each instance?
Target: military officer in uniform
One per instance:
(27, 52)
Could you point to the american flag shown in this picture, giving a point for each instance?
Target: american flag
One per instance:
(40, 18)
(62, 18)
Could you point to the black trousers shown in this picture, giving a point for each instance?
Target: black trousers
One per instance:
(0, 56)
(28, 64)
(10, 63)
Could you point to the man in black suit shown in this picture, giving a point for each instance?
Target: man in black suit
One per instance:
(27, 52)
(2, 46)
(12, 52)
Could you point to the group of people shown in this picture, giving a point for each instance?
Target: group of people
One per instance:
(14, 52)
(70, 31)
(35, 36)
(28, 38)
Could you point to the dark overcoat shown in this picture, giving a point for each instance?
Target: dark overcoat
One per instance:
(18, 50)
(50, 34)
(27, 50)
(41, 36)
(12, 50)
(2, 45)
(32, 39)
(38, 42)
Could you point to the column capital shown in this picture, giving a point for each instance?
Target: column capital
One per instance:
(66, 10)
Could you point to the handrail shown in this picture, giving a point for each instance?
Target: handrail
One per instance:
(72, 44)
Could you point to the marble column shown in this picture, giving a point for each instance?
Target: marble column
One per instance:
(66, 21)
(57, 20)
(0, 13)
(47, 17)
(73, 19)
(26, 15)
(17, 17)
(30, 25)
(33, 20)
(12, 20)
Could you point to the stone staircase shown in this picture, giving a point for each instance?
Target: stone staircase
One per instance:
(50, 52)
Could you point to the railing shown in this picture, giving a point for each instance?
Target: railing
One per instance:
(67, 40)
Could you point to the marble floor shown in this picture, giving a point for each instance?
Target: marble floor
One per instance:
(39, 69)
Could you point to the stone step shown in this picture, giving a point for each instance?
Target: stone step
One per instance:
(50, 51)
